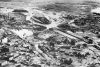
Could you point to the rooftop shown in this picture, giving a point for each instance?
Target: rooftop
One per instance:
(19, 10)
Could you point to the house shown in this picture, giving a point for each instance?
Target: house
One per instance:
(19, 17)
(20, 10)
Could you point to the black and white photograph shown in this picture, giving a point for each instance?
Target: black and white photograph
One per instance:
(49, 33)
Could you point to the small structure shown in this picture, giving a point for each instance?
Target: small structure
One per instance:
(19, 17)
(20, 10)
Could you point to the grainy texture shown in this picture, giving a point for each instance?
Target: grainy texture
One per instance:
(53, 33)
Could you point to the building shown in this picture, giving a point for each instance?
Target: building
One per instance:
(19, 17)
(20, 10)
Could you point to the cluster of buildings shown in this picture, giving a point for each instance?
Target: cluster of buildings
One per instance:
(18, 15)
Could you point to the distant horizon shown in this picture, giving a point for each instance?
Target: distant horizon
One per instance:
(73, 1)
(42, 2)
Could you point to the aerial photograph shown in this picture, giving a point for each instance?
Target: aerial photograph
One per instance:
(49, 33)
